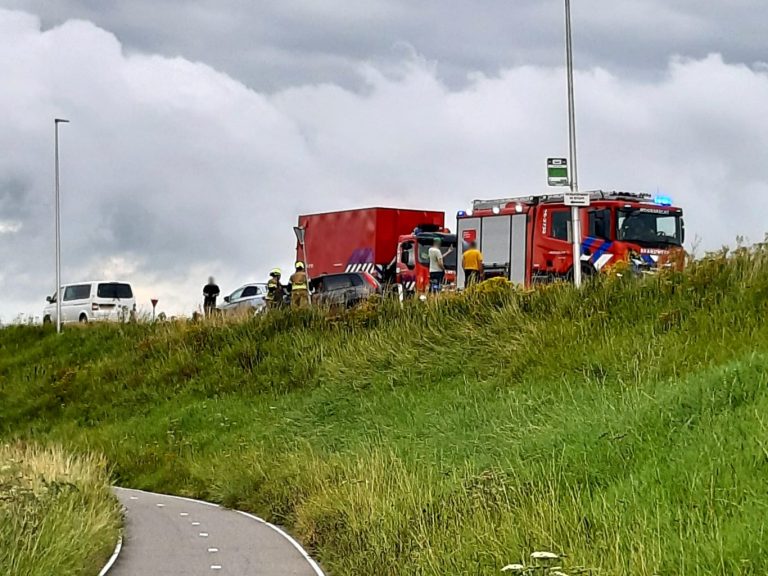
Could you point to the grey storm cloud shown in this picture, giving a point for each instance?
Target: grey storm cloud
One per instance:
(268, 44)
(181, 161)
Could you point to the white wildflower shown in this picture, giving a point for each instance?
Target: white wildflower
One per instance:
(544, 556)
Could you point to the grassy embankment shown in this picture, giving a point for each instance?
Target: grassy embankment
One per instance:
(57, 514)
(626, 426)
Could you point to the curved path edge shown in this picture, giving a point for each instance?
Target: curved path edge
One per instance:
(314, 565)
(311, 563)
(113, 558)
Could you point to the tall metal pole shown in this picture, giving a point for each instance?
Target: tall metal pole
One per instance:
(306, 266)
(575, 210)
(56, 123)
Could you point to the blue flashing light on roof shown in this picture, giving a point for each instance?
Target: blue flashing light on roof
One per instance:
(663, 200)
(461, 214)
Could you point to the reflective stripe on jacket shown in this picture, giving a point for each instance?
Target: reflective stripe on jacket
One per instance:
(299, 281)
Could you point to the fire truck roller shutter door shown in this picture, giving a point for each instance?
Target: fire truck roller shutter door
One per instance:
(495, 243)
(468, 229)
(519, 248)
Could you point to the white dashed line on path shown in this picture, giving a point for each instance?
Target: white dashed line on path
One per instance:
(165, 535)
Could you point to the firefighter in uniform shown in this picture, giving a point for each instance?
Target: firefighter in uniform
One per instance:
(275, 294)
(299, 287)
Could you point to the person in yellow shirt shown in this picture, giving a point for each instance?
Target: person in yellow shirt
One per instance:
(472, 262)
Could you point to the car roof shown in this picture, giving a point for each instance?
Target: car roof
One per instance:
(95, 282)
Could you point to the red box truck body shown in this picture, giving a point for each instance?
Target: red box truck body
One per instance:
(359, 240)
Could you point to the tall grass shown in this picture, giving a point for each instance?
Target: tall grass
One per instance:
(623, 425)
(57, 515)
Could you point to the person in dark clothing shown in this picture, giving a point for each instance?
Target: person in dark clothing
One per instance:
(210, 293)
(275, 290)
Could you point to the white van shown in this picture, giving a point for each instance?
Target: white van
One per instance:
(92, 301)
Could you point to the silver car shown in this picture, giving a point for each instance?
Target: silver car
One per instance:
(247, 298)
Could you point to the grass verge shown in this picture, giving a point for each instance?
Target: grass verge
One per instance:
(57, 514)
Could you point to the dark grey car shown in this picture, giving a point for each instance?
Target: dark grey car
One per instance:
(345, 289)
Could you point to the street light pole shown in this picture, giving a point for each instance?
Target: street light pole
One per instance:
(574, 174)
(56, 123)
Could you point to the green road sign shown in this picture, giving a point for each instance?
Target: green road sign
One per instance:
(557, 172)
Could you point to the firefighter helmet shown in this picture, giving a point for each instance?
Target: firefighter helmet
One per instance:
(300, 265)
(275, 272)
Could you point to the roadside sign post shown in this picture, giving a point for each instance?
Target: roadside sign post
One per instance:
(557, 172)
(154, 305)
(580, 199)
(300, 232)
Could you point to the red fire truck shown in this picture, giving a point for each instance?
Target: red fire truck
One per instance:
(390, 243)
(528, 240)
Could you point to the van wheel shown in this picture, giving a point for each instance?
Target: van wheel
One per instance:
(46, 320)
(83, 319)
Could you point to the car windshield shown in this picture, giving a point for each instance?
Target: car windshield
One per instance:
(448, 248)
(115, 290)
(649, 227)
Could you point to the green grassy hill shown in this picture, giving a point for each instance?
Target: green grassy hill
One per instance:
(625, 426)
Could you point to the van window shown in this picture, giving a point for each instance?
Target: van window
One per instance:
(561, 225)
(79, 292)
(114, 290)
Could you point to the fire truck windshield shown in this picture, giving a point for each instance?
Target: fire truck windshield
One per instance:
(448, 248)
(649, 227)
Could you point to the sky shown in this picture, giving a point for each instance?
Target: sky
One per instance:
(201, 129)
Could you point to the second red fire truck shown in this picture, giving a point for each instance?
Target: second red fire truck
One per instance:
(528, 239)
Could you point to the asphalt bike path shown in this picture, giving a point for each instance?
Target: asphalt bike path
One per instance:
(173, 536)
